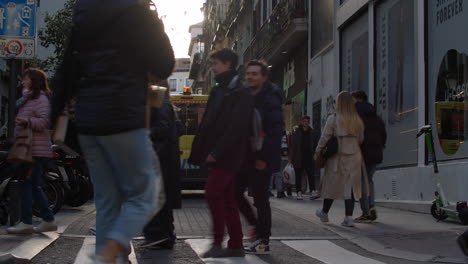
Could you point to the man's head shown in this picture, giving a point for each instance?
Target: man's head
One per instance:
(257, 73)
(305, 122)
(359, 96)
(223, 60)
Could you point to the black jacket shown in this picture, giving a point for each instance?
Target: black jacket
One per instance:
(269, 103)
(165, 140)
(118, 43)
(225, 128)
(375, 135)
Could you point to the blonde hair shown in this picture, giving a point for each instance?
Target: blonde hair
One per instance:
(346, 112)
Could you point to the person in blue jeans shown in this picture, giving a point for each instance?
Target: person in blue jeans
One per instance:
(112, 87)
(375, 137)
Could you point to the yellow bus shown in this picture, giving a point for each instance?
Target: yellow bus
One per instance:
(190, 109)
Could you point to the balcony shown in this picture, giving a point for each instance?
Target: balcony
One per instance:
(285, 30)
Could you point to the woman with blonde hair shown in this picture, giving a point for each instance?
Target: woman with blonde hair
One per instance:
(343, 170)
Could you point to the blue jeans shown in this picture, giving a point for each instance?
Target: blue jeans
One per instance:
(277, 178)
(32, 188)
(125, 184)
(368, 198)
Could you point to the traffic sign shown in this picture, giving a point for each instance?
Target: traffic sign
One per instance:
(17, 28)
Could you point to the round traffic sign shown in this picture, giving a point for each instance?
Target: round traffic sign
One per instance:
(14, 47)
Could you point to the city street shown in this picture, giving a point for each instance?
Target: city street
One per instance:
(298, 237)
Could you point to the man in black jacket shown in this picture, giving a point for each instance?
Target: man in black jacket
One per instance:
(375, 137)
(116, 45)
(221, 143)
(260, 165)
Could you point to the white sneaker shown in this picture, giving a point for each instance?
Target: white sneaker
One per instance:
(323, 216)
(299, 196)
(314, 195)
(45, 227)
(348, 221)
(20, 228)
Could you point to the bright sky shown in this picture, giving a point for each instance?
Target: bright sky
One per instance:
(178, 16)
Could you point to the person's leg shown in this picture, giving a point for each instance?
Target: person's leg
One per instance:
(298, 172)
(262, 203)
(364, 201)
(349, 207)
(241, 183)
(26, 187)
(158, 229)
(278, 178)
(39, 197)
(106, 195)
(327, 204)
(138, 175)
(370, 176)
(214, 193)
(231, 213)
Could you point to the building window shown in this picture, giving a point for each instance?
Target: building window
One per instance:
(321, 25)
(173, 84)
(448, 78)
(396, 92)
(188, 82)
(355, 56)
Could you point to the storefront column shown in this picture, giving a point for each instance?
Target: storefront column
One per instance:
(371, 53)
(421, 79)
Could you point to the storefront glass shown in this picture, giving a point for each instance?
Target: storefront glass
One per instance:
(448, 76)
(395, 78)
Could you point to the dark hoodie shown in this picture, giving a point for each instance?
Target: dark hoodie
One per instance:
(375, 135)
(118, 43)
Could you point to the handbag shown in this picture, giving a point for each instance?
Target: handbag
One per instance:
(21, 151)
(330, 149)
(60, 129)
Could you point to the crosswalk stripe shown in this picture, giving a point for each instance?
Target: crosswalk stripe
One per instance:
(87, 250)
(328, 252)
(202, 245)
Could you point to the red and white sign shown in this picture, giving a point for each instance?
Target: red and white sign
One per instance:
(17, 48)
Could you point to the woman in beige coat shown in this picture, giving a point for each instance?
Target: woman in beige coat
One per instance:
(343, 171)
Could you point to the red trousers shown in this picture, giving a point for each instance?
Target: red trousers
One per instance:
(220, 195)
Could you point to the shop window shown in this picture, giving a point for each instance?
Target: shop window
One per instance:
(355, 56)
(396, 92)
(448, 78)
(173, 84)
(321, 25)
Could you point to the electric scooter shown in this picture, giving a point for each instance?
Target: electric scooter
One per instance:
(441, 208)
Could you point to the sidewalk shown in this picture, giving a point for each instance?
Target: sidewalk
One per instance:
(401, 234)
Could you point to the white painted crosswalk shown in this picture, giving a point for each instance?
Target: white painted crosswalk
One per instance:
(321, 250)
(87, 250)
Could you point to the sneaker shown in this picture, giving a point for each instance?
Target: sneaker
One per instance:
(92, 230)
(314, 195)
(153, 243)
(45, 227)
(299, 196)
(259, 247)
(463, 244)
(280, 195)
(373, 214)
(348, 221)
(216, 251)
(323, 216)
(363, 218)
(21, 228)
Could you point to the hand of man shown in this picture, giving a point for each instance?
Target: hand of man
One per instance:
(210, 159)
(260, 164)
(316, 155)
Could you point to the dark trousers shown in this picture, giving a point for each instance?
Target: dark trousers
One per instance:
(161, 226)
(349, 206)
(221, 200)
(32, 188)
(259, 182)
(310, 178)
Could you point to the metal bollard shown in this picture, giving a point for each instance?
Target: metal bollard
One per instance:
(14, 205)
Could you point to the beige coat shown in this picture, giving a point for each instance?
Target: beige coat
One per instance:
(343, 171)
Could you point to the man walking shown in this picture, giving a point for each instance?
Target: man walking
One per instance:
(303, 143)
(221, 143)
(375, 137)
(260, 165)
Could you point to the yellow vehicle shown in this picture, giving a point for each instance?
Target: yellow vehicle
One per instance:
(450, 117)
(190, 109)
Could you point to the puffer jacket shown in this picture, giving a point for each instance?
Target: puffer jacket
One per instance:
(37, 112)
(118, 43)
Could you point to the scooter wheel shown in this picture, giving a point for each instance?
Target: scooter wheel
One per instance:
(438, 213)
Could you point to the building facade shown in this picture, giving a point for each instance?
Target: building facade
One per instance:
(180, 76)
(411, 59)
